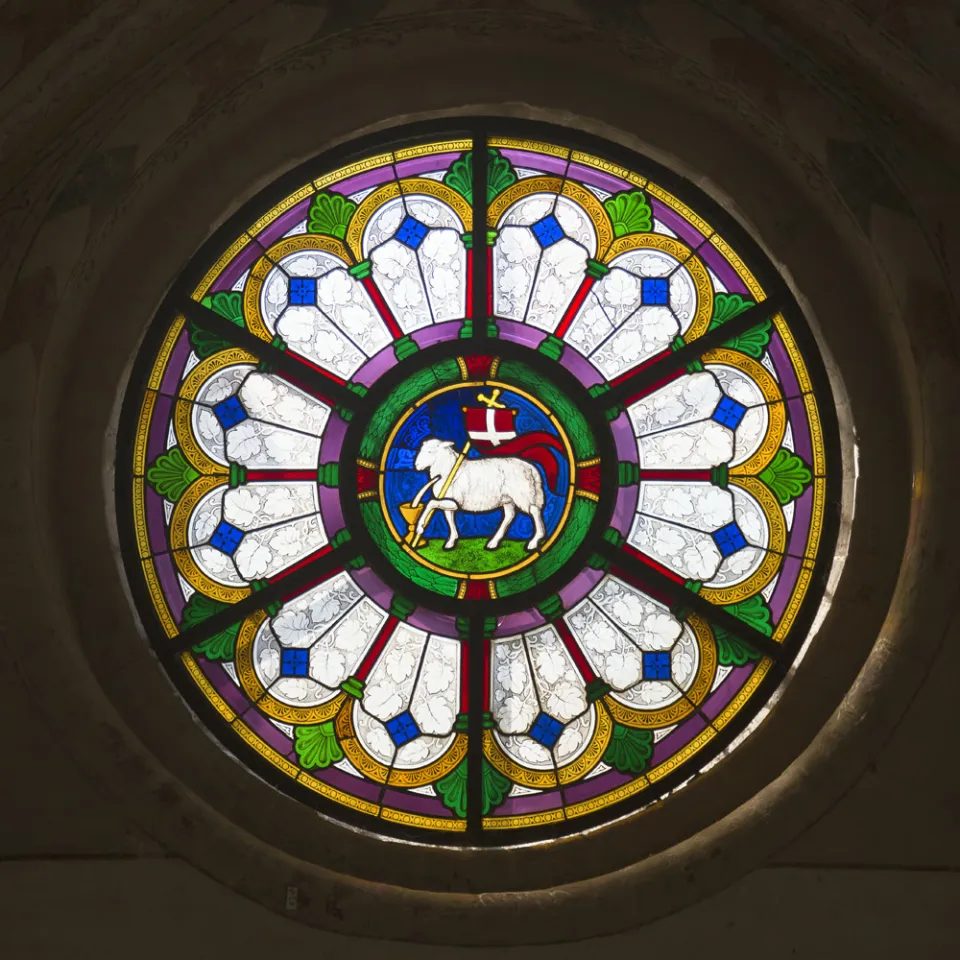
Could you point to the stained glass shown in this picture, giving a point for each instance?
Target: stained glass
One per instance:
(482, 488)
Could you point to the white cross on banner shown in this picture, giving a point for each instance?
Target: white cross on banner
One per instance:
(489, 427)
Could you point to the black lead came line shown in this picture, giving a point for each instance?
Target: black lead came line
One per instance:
(646, 377)
(481, 252)
(285, 585)
(681, 597)
(287, 365)
(475, 637)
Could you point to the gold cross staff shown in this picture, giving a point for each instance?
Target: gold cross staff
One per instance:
(491, 401)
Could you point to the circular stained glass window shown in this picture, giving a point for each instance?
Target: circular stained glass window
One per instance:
(484, 483)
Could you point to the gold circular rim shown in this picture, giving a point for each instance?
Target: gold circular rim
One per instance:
(536, 554)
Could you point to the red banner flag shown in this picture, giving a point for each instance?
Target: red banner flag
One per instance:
(492, 432)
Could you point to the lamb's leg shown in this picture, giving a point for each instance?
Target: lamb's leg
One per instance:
(539, 532)
(509, 512)
(450, 514)
(425, 515)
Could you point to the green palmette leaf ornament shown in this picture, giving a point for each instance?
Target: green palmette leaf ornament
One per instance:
(495, 787)
(171, 473)
(452, 788)
(731, 650)
(752, 342)
(786, 475)
(222, 645)
(629, 212)
(500, 175)
(630, 750)
(317, 746)
(228, 304)
(330, 214)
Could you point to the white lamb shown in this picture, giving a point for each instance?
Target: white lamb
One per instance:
(507, 483)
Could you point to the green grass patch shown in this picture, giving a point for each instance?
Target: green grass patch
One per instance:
(470, 555)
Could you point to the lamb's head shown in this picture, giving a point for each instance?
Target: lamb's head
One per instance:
(433, 453)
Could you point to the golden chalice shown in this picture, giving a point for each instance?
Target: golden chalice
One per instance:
(411, 514)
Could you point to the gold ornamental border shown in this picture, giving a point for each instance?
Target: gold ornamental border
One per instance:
(252, 313)
(687, 259)
(807, 565)
(735, 261)
(305, 778)
(690, 699)
(183, 409)
(163, 354)
(645, 780)
(410, 187)
(288, 203)
(401, 539)
(258, 695)
(383, 159)
(235, 248)
(520, 820)
(569, 773)
(396, 777)
(776, 408)
(352, 169)
(667, 198)
(775, 549)
(587, 201)
(615, 170)
(182, 549)
(159, 598)
(209, 691)
(531, 146)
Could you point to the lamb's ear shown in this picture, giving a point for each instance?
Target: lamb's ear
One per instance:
(446, 443)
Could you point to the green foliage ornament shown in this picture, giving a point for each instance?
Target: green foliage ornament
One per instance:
(330, 214)
(500, 175)
(222, 645)
(228, 304)
(752, 342)
(786, 475)
(317, 746)
(171, 473)
(629, 212)
(630, 750)
(452, 789)
(731, 650)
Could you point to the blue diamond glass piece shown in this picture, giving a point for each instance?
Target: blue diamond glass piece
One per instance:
(654, 291)
(729, 539)
(294, 663)
(546, 730)
(656, 665)
(229, 412)
(729, 412)
(303, 290)
(226, 538)
(547, 231)
(411, 232)
(403, 728)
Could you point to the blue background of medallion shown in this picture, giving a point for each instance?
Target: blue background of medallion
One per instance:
(442, 416)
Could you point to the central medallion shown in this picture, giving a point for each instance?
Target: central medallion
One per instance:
(470, 473)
